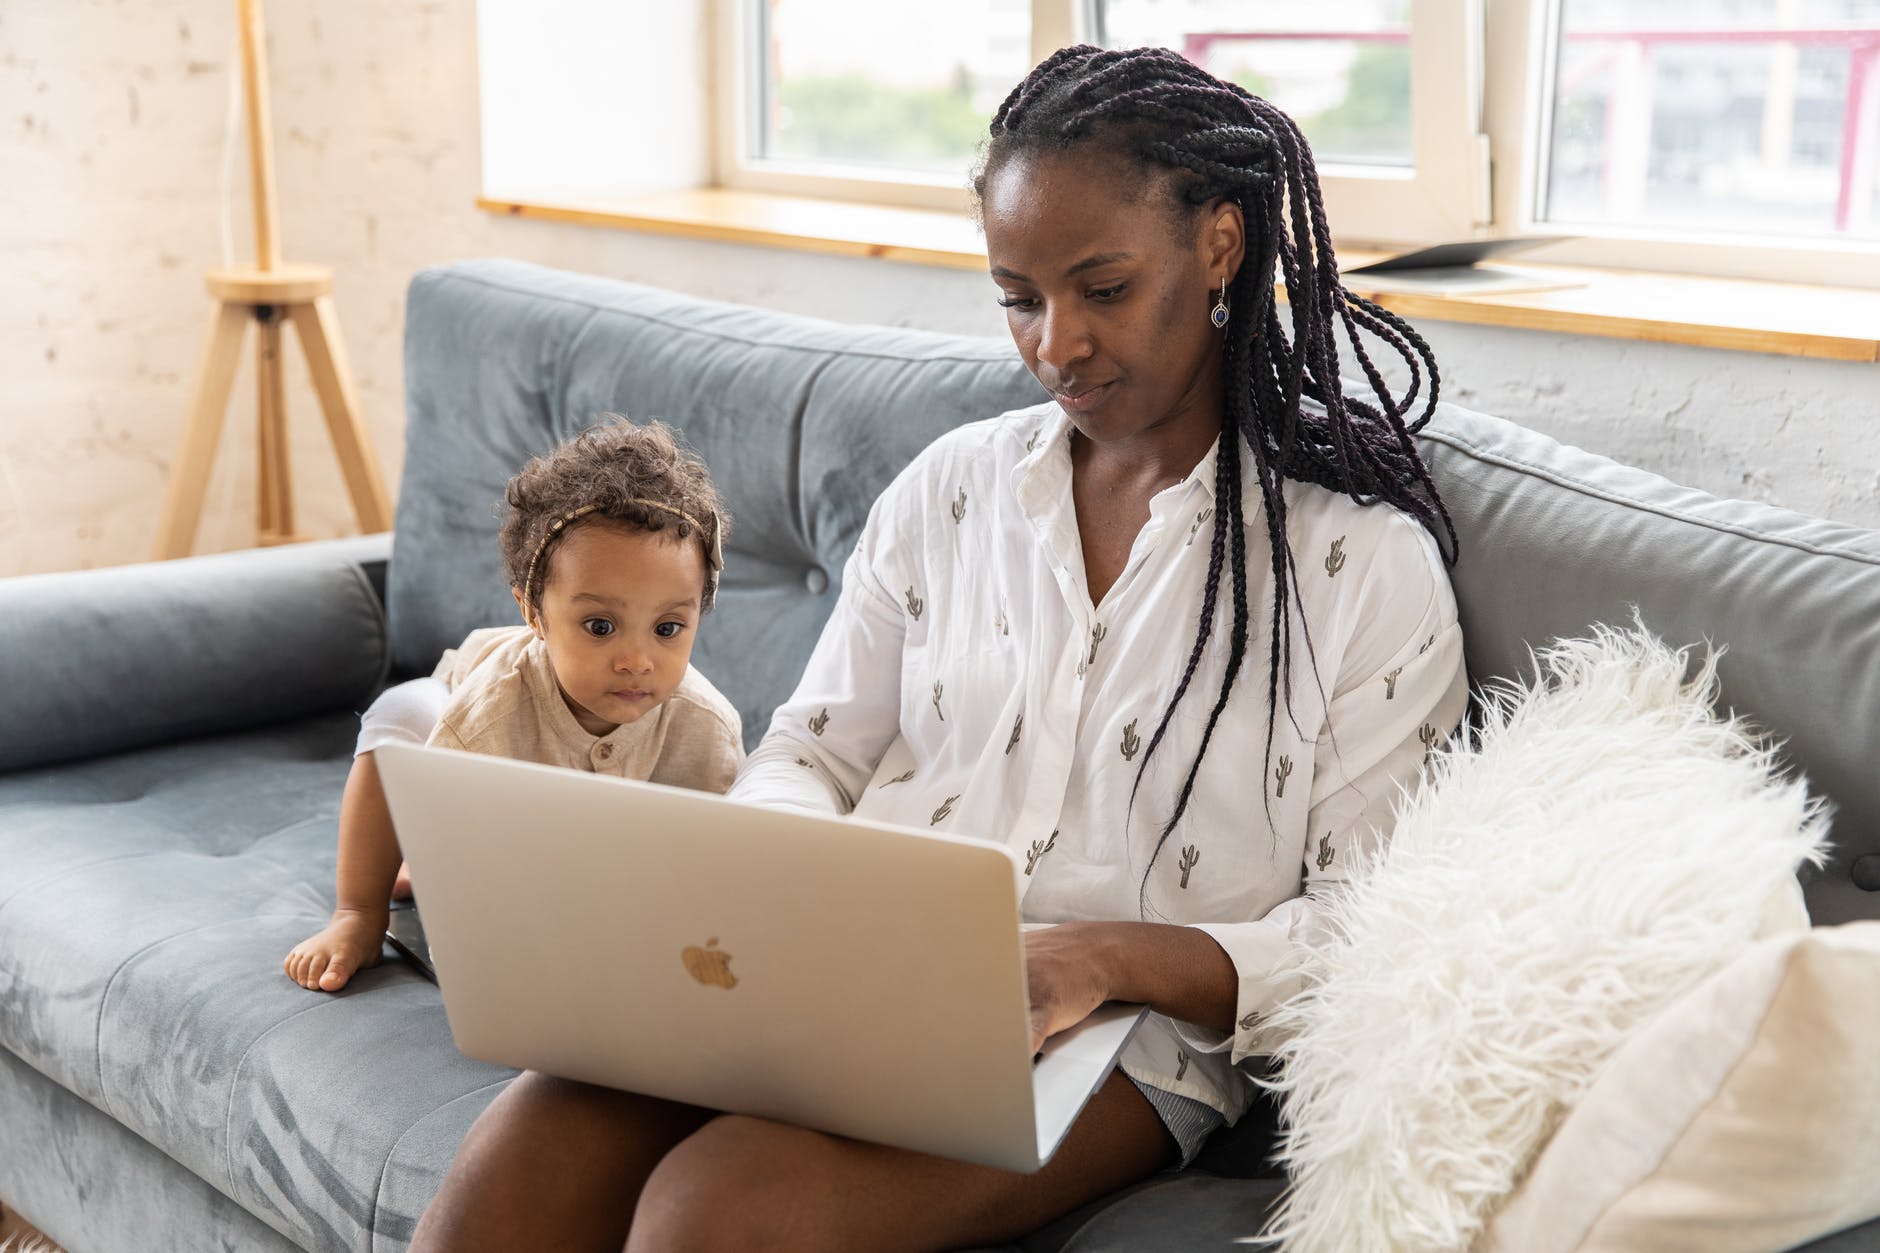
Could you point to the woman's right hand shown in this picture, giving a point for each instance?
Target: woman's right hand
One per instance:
(1066, 977)
(352, 941)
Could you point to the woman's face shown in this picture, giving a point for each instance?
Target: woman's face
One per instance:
(1107, 294)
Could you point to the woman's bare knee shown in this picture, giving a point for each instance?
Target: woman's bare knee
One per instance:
(553, 1160)
(735, 1183)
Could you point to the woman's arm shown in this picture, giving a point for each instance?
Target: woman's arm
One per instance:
(1400, 690)
(1074, 967)
(1402, 687)
(1218, 980)
(825, 741)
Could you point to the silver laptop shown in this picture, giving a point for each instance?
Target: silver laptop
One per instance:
(857, 978)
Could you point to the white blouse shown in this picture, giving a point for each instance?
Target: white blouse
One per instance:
(965, 681)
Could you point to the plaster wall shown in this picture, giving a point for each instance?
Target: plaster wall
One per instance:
(112, 125)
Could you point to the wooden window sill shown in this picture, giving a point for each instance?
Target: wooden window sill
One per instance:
(1835, 323)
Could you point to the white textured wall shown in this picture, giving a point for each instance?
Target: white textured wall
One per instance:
(111, 120)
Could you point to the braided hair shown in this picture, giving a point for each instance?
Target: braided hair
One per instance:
(1211, 141)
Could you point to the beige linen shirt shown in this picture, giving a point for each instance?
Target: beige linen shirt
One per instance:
(504, 701)
(966, 682)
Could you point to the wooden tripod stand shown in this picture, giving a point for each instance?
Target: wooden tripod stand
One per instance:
(268, 294)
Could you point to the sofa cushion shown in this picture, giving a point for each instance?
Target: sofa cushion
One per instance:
(94, 1187)
(1555, 539)
(95, 661)
(802, 422)
(1743, 1117)
(146, 902)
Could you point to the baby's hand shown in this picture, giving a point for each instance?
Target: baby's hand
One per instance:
(350, 942)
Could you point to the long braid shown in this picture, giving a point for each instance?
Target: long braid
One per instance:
(1210, 597)
(1217, 141)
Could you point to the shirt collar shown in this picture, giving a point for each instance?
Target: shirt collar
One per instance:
(1042, 477)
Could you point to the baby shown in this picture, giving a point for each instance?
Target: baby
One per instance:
(612, 543)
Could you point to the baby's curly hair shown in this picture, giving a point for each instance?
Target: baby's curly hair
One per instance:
(634, 476)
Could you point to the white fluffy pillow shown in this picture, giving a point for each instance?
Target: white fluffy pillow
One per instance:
(1606, 843)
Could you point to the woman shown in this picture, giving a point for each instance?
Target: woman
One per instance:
(1041, 637)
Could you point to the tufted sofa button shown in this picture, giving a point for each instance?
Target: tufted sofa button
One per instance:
(1866, 872)
(817, 581)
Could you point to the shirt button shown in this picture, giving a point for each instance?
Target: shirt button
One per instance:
(604, 751)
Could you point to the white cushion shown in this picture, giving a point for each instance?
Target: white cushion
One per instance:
(1744, 1117)
(1606, 844)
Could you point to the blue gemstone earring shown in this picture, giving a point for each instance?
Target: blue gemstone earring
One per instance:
(1218, 315)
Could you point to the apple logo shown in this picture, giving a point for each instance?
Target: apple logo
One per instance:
(710, 965)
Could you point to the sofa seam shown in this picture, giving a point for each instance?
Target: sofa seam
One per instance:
(104, 996)
(799, 503)
(451, 274)
(56, 875)
(562, 372)
(228, 1115)
(378, 1188)
(1559, 479)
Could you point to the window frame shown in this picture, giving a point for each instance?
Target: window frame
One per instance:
(1496, 105)
(1445, 195)
(1521, 60)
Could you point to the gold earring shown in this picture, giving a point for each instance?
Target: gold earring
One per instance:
(1218, 315)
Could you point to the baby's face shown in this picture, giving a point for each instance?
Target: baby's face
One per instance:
(619, 612)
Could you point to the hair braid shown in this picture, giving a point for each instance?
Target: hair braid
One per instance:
(1210, 597)
(1215, 141)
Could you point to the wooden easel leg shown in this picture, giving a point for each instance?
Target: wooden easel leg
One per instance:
(202, 428)
(274, 492)
(318, 327)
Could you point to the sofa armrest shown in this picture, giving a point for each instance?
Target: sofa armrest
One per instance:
(100, 661)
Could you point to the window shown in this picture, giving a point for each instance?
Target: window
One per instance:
(855, 98)
(1341, 70)
(859, 83)
(1730, 137)
(863, 100)
(1388, 93)
(1751, 118)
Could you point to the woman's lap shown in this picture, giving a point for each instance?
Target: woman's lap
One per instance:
(563, 1163)
(748, 1182)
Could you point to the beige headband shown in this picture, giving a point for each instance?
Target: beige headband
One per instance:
(715, 551)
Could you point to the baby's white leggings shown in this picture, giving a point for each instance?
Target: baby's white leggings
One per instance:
(405, 714)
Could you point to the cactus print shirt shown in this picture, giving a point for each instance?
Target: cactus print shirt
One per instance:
(966, 682)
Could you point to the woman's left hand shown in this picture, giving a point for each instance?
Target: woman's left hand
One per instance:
(1074, 967)
(1067, 977)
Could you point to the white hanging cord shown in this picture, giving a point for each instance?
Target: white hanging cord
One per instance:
(225, 468)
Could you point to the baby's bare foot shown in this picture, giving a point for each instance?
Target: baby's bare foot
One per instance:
(401, 886)
(350, 942)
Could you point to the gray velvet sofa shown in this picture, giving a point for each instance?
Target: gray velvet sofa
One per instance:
(173, 741)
